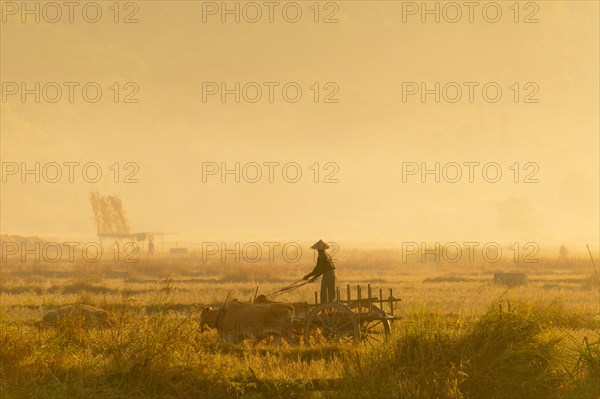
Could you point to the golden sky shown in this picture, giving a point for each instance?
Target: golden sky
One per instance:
(365, 61)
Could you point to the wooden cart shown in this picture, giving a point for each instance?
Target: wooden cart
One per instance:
(362, 318)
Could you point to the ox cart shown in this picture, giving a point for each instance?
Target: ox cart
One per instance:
(362, 317)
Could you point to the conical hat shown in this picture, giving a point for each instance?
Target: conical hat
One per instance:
(320, 245)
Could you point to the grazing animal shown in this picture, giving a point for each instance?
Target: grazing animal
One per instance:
(301, 311)
(300, 308)
(85, 315)
(238, 321)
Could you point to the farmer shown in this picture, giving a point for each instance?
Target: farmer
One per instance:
(150, 247)
(324, 267)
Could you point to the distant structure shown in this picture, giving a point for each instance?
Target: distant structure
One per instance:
(563, 255)
(511, 279)
(111, 221)
(150, 247)
(110, 216)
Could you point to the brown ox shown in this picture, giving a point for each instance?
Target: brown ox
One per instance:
(238, 321)
(300, 308)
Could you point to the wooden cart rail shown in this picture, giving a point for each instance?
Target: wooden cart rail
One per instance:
(358, 318)
(369, 300)
(350, 319)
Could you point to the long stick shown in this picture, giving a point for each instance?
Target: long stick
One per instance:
(593, 263)
(226, 299)
(291, 287)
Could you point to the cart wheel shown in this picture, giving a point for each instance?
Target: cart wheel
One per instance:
(374, 327)
(332, 322)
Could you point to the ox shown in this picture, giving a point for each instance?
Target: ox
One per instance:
(300, 308)
(237, 321)
(300, 312)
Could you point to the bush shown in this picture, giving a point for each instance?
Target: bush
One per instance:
(511, 352)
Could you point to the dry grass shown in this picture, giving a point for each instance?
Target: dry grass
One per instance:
(461, 336)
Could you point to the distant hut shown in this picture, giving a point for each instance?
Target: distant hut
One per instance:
(563, 255)
(511, 279)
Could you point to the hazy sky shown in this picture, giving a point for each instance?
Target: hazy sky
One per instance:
(363, 61)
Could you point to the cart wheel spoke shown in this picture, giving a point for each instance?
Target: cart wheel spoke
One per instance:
(374, 327)
(334, 322)
(321, 320)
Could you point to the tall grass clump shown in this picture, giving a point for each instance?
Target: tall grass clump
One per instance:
(586, 373)
(510, 352)
(161, 354)
(158, 355)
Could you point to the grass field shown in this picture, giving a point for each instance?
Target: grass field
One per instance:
(461, 336)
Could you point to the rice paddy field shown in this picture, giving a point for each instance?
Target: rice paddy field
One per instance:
(459, 336)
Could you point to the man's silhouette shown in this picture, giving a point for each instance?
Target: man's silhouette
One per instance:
(326, 268)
